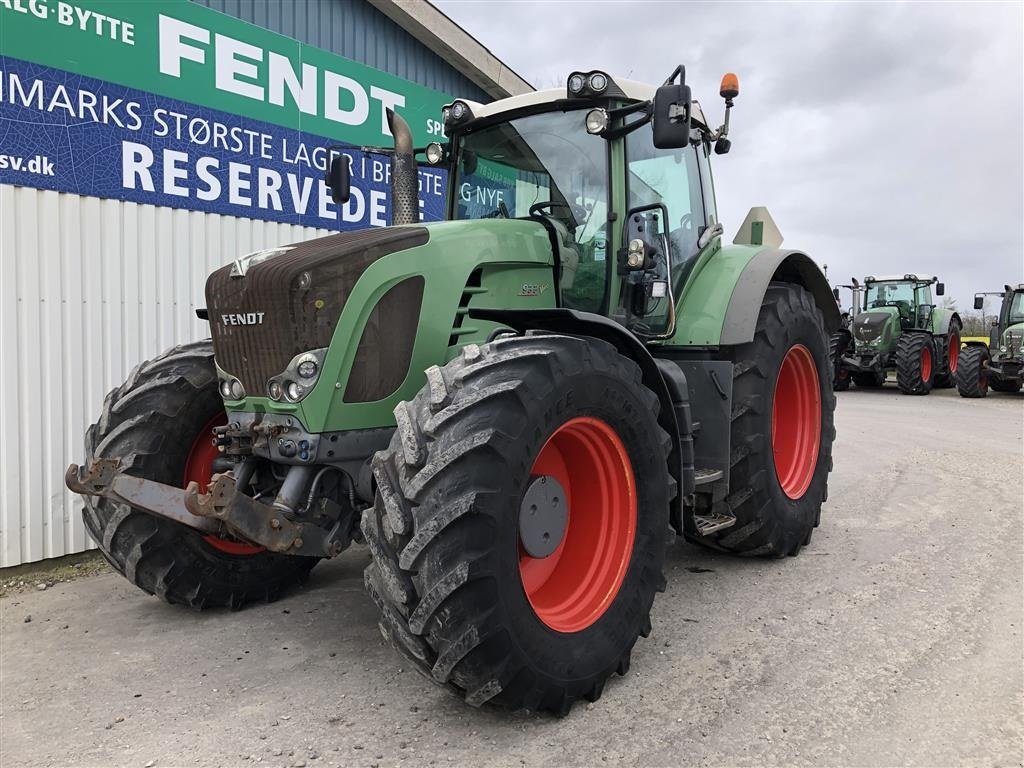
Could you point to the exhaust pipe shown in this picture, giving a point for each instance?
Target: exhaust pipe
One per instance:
(405, 185)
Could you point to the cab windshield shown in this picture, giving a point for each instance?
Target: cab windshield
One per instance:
(544, 164)
(889, 295)
(1016, 314)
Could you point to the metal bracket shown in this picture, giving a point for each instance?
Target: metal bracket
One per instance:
(261, 523)
(223, 508)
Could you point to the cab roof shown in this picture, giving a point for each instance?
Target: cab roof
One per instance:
(916, 276)
(630, 89)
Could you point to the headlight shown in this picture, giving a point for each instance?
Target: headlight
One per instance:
(434, 153)
(598, 82)
(576, 83)
(298, 379)
(232, 389)
(459, 110)
(294, 391)
(597, 121)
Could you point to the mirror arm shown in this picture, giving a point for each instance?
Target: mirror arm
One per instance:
(723, 129)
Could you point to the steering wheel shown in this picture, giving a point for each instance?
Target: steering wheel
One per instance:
(537, 208)
(501, 210)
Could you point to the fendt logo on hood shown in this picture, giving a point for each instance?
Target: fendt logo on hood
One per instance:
(243, 318)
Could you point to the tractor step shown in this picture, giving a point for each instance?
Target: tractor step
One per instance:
(705, 476)
(708, 524)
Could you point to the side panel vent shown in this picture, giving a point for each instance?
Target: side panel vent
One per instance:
(385, 348)
(459, 329)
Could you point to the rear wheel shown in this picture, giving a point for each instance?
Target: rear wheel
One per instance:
(915, 363)
(519, 528)
(782, 431)
(947, 379)
(972, 372)
(158, 424)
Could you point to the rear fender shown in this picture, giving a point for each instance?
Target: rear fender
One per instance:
(941, 321)
(574, 323)
(774, 265)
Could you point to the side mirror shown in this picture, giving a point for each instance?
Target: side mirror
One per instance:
(979, 302)
(339, 179)
(835, 293)
(940, 289)
(671, 119)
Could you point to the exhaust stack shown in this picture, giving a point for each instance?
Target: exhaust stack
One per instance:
(405, 186)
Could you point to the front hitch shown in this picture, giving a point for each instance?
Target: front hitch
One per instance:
(223, 509)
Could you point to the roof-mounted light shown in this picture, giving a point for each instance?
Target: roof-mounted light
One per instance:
(582, 84)
(456, 113)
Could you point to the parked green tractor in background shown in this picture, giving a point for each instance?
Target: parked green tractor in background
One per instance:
(518, 403)
(1000, 364)
(897, 328)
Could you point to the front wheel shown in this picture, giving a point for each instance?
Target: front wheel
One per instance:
(838, 343)
(869, 379)
(158, 424)
(972, 372)
(519, 528)
(782, 431)
(915, 363)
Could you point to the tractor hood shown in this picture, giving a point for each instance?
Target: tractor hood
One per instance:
(1013, 339)
(875, 326)
(330, 324)
(270, 306)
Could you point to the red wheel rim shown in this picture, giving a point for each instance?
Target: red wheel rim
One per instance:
(571, 588)
(926, 363)
(796, 421)
(199, 467)
(954, 352)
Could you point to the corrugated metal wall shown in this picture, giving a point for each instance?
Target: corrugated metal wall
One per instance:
(89, 288)
(357, 31)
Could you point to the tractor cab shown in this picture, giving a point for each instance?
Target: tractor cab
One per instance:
(909, 296)
(618, 172)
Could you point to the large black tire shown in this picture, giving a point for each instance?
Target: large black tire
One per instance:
(972, 374)
(769, 522)
(915, 363)
(947, 378)
(444, 529)
(869, 380)
(151, 423)
(1004, 386)
(837, 345)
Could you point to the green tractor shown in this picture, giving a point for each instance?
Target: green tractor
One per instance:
(897, 328)
(513, 408)
(1000, 364)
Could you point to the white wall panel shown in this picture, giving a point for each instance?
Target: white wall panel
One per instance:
(88, 289)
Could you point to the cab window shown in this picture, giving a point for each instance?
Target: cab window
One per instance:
(671, 177)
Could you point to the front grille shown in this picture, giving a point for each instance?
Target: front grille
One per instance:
(868, 326)
(293, 300)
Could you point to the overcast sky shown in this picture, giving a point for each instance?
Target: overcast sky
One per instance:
(882, 137)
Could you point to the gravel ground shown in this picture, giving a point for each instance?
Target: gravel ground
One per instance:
(894, 639)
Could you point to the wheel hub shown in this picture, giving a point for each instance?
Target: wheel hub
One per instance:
(543, 515)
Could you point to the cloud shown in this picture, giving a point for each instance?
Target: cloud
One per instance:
(883, 137)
